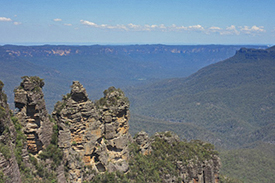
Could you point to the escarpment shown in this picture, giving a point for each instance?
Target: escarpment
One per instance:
(93, 134)
(32, 114)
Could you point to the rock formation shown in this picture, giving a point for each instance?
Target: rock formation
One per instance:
(196, 168)
(144, 142)
(9, 170)
(93, 134)
(32, 115)
(90, 139)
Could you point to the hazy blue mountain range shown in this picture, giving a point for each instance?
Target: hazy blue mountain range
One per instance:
(99, 67)
(232, 99)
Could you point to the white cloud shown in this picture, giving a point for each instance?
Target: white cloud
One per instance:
(121, 27)
(57, 20)
(230, 31)
(67, 24)
(252, 30)
(196, 28)
(181, 28)
(146, 27)
(5, 19)
(17, 23)
(133, 26)
(215, 29)
(162, 26)
(103, 26)
(85, 22)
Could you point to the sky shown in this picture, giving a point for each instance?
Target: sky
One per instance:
(185, 22)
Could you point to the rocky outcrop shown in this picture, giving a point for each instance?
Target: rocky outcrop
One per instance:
(206, 171)
(90, 139)
(9, 170)
(144, 142)
(32, 114)
(198, 167)
(93, 134)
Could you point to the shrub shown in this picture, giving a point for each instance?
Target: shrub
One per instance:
(1, 85)
(3, 178)
(54, 153)
(5, 150)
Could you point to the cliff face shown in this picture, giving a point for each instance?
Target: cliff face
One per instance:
(93, 134)
(9, 170)
(32, 115)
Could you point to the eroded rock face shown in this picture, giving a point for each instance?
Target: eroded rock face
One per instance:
(93, 134)
(8, 163)
(32, 115)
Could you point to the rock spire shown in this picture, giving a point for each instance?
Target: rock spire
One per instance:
(93, 134)
(32, 115)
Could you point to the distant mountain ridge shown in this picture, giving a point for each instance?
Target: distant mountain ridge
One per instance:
(99, 66)
(63, 50)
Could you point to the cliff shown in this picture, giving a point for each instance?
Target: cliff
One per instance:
(9, 170)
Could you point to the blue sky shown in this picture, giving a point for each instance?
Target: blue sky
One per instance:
(137, 22)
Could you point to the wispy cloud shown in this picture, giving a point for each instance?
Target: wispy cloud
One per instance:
(196, 28)
(103, 26)
(252, 30)
(57, 20)
(214, 29)
(17, 23)
(67, 24)
(5, 19)
(229, 30)
(146, 27)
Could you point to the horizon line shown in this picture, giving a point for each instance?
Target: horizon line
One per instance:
(120, 44)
